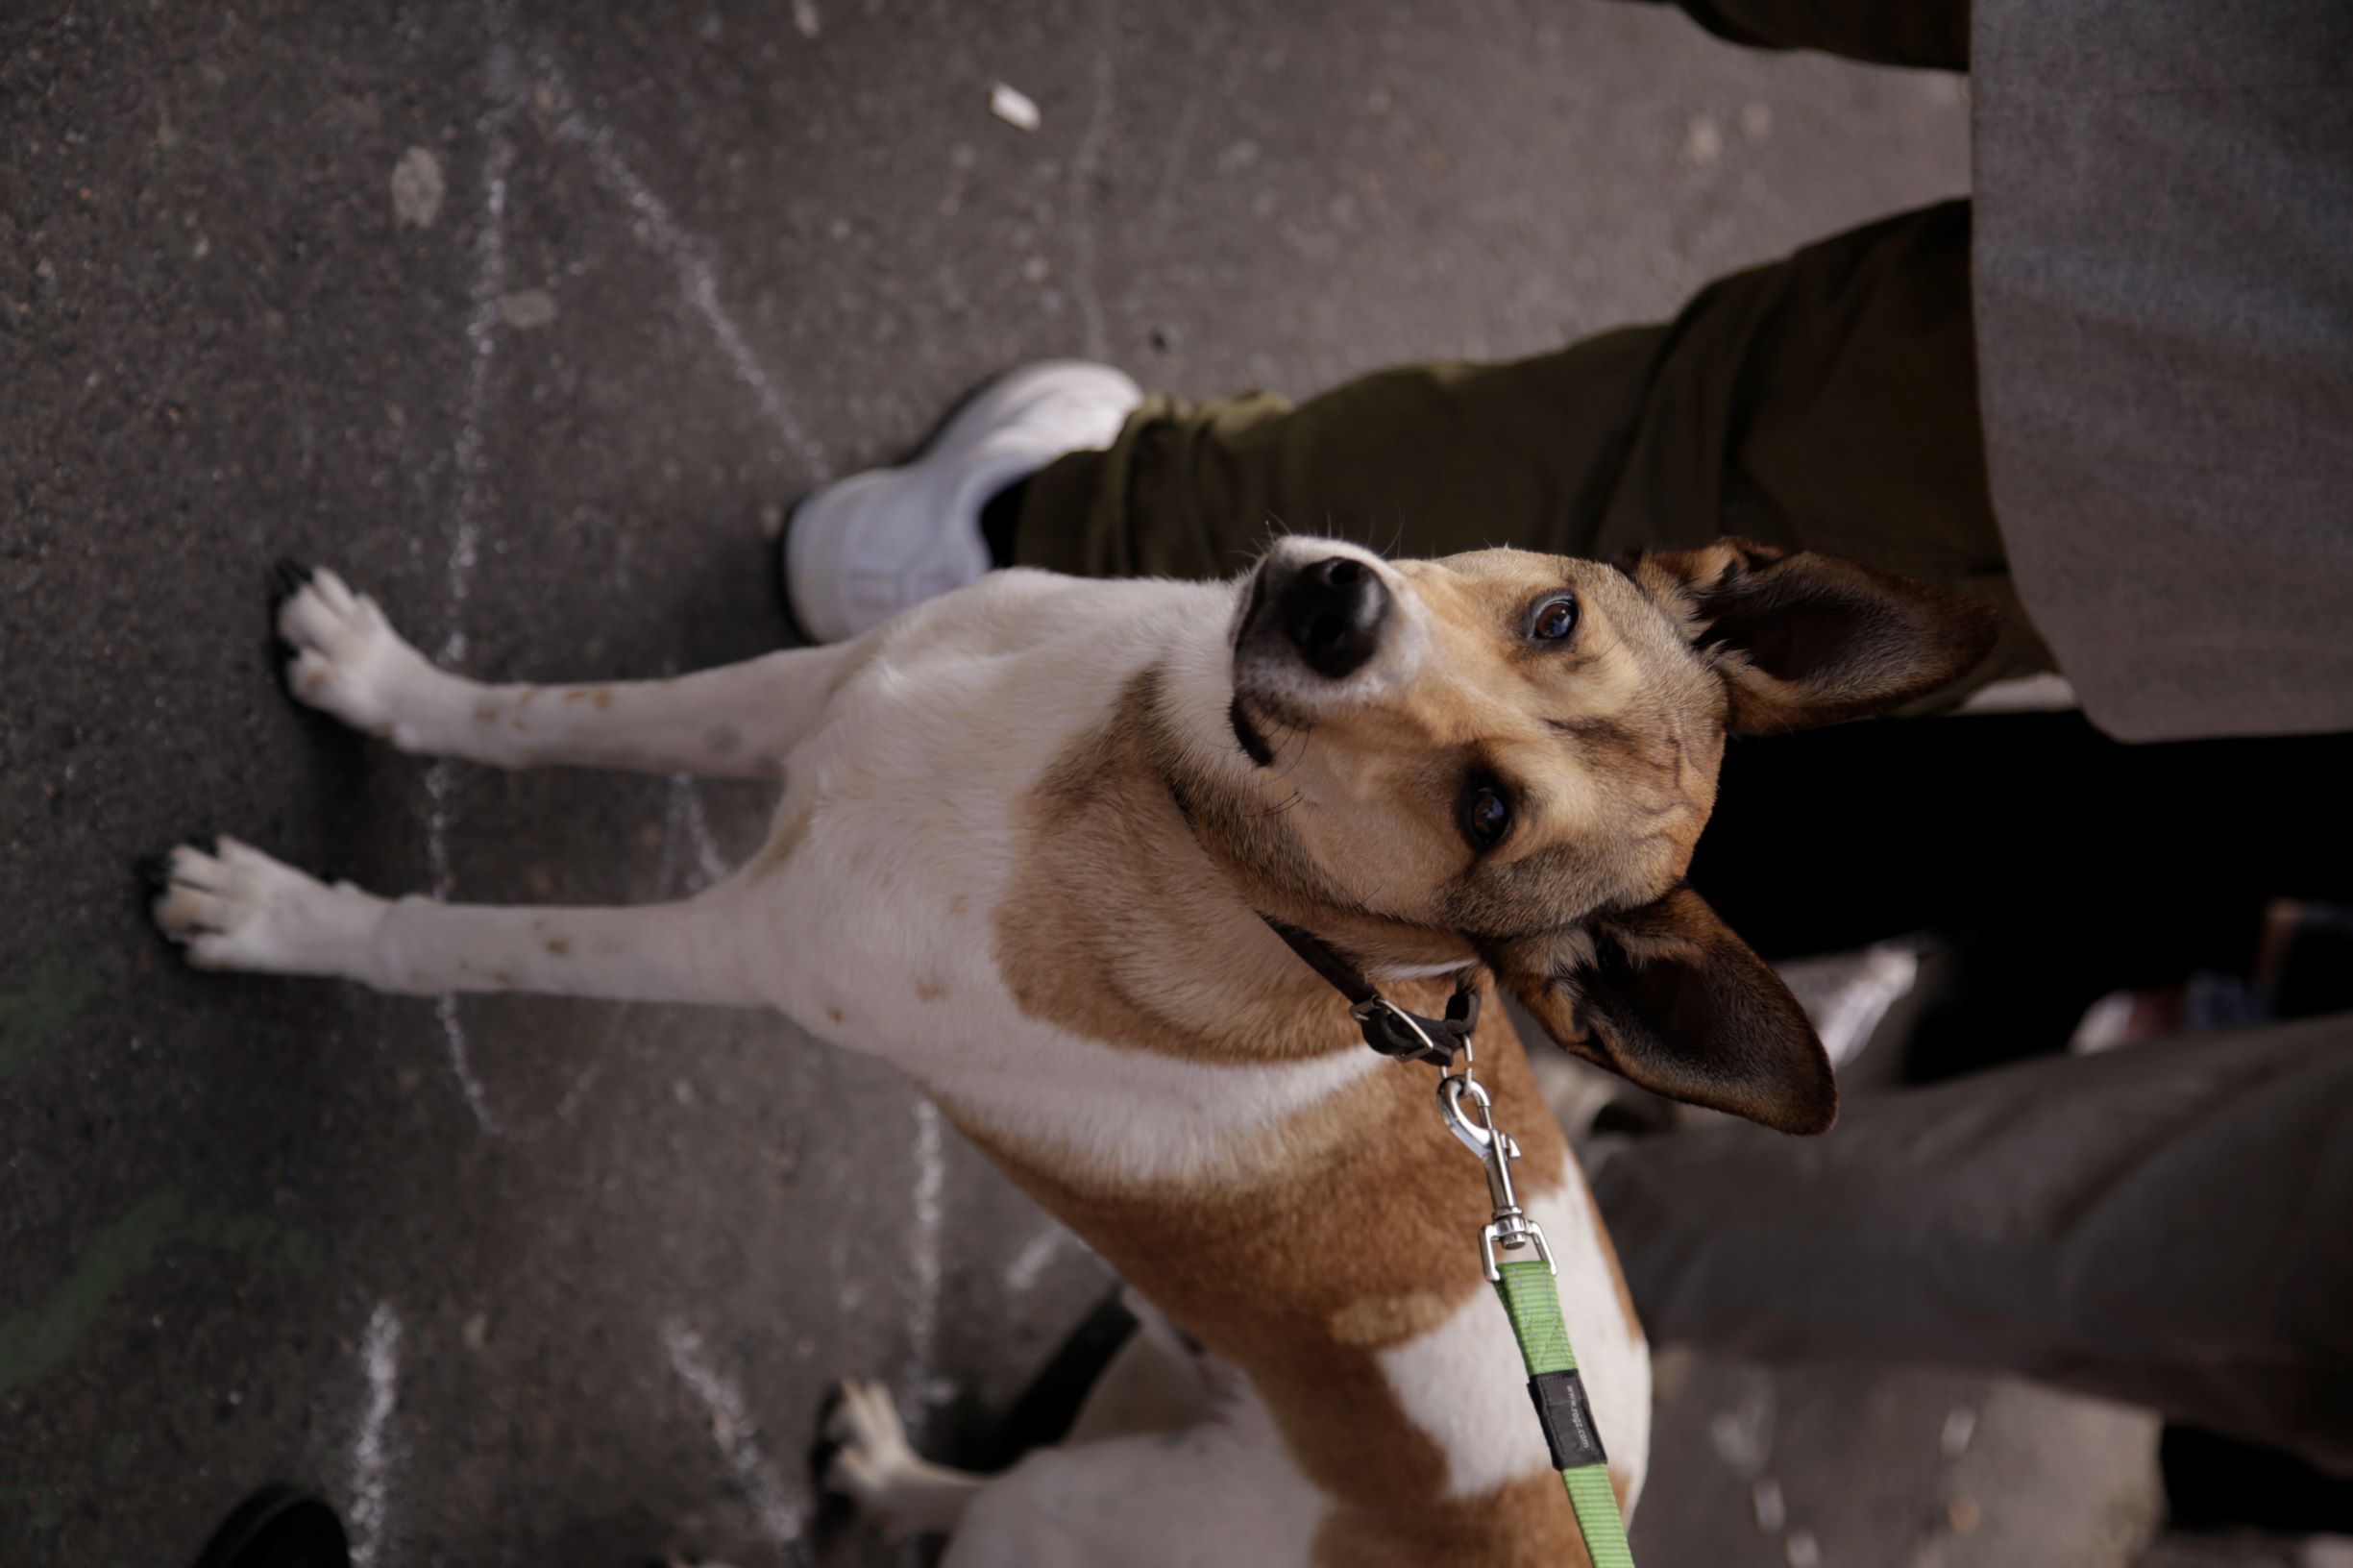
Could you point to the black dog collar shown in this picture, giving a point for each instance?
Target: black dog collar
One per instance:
(1389, 1029)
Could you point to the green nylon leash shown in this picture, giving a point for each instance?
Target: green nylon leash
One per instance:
(1529, 1297)
(1531, 1300)
(1533, 1303)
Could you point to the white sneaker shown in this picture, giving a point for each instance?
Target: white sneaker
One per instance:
(861, 549)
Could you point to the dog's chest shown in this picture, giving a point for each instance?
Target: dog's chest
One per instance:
(1348, 1290)
(908, 818)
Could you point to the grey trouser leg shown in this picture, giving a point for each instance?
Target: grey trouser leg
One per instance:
(2169, 1225)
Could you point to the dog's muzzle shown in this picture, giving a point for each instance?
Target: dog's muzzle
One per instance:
(1330, 611)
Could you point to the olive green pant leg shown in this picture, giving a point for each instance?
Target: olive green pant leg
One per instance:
(1420, 460)
(1829, 401)
(1825, 402)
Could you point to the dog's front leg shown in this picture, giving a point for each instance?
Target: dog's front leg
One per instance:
(736, 722)
(236, 908)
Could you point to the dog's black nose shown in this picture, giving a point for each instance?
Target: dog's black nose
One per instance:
(1332, 611)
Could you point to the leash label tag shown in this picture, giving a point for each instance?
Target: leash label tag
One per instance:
(1567, 1416)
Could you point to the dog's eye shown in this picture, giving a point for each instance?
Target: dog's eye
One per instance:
(1486, 816)
(1555, 618)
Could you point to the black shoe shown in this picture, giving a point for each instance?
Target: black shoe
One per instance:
(2215, 1484)
(2314, 974)
(279, 1528)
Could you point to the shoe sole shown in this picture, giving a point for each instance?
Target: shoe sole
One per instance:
(922, 448)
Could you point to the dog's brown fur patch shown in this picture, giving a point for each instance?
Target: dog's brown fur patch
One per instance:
(1803, 639)
(1117, 928)
(1303, 1281)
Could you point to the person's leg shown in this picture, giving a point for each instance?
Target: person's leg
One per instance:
(2127, 863)
(2054, 864)
(2161, 1224)
(1828, 401)
(1418, 460)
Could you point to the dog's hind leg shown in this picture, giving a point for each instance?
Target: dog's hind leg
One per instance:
(1220, 1487)
(236, 908)
(877, 1468)
(736, 722)
(1223, 1491)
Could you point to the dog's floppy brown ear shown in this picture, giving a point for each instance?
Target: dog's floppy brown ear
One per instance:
(1802, 638)
(1669, 997)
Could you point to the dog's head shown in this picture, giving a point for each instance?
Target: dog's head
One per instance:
(1511, 755)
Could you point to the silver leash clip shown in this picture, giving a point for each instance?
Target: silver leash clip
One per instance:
(1398, 1034)
(1510, 1229)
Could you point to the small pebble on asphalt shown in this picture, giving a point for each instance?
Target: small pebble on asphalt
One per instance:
(1013, 107)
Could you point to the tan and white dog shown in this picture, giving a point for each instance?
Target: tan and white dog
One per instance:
(1027, 837)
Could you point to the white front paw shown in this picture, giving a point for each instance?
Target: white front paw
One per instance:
(347, 660)
(236, 908)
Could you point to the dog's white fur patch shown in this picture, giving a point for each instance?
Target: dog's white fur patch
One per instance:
(1464, 1384)
(903, 864)
(1226, 1491)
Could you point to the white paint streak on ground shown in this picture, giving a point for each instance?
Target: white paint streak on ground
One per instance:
(1172, 165)
(580, 1086)
(461, 1065)
(687, 826)
(1207, 40)
(1743, 1435)
(482, 331)
(737, 1436)
(697, 280)
(470, 460)
(924, 1390)
(379, 1354)
(687, 813)
(1086, 167)
(923, 1261)
(1029, 1265)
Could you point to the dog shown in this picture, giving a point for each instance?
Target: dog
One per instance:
(1035, 840)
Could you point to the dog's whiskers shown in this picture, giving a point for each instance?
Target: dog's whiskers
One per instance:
(1278, 810)
(1304, 734)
